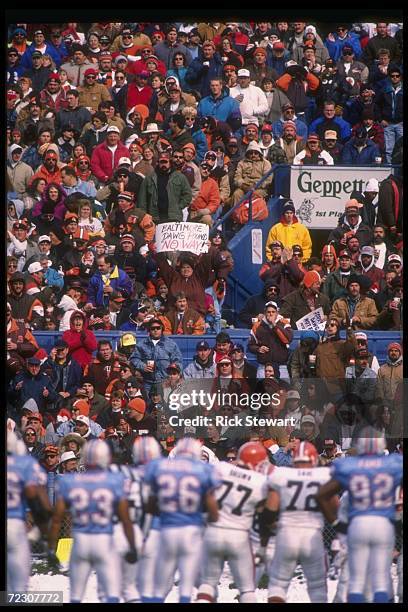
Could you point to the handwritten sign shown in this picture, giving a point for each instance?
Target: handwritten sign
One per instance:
(182, 236)
(314, 320)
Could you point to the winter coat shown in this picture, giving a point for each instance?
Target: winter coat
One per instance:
(389, 210)
(66, 377)
(75, 118)
(332, 357)
(351, 156)
(376, 43)
(163, 354)
(333, 286)
(390, 376)
(91, 96)
(81, 344)
(365, 309)
(191, 324)
(286, 276)
(196, 370)
(118, 280)
(391, 103)
(208, 197)
(103, 164)
(375, 134)
(179, 196)
(279, 98)
(254, 306)
(289, 235)
(250, 172)
(253, 105)
(363, 232)
(276, 338)
(166, 53)
(344, 127)
(92, 138)
(295, 306)
(301, 127)
(32, 388)
(223, 108)
(335, 47)
(20, 175)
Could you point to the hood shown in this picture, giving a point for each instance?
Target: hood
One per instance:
(254, 146)
(19, 206)
(76, 312)
(67, 303)
(144, 112)
(283, 220)
(329, 248)
(62, 194)
(101, 130)
(269, 283)
(172, 78)
(10, 151)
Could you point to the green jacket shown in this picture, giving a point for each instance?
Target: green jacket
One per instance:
(179, 194)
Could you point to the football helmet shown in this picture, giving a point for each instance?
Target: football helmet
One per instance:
(145, 449)
(252, 455)
(97, 454)
(188, 446)
(306, 452)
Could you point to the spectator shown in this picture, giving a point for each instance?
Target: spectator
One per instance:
(73, 115)
(351, 226)
(328, 121)
(184, 320)
(304, 300)
(205, 205)
(360, 378)
(109, 278)
(313, 154)
(335, 283)
(21, 246)
(390, 104)
(368, 267)
(390, 208)
(361, 151)
(220, 105)
(105, 156)
(77, 66)
(255, 305)
(336, 41)
(165, 193)
(80, 340)
(249, 171)
(332, 147)
(382, 247)
(203, 365)
(153, 355)
(355, 309)
(252, 100)
(65, 372)
(382, 40)
(204, 68)
(34, 447)
(290, 232)
(297, 82)
(167, 49)
(21, 344)
(269, 339)
(390, 375)
(282, 269)
(19, 172)
(288, 115)
(302, 362)
(32, 383)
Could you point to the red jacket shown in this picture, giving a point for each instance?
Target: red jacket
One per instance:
(139, 65)
(208, 197)
(102, 164)
(80, 349)
(136, 96)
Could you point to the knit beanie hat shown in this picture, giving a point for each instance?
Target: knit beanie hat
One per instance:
(394, 345)
(310, 278)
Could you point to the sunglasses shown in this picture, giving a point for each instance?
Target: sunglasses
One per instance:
(178, 157)
(395, 76)
(30, 433)
(230, 458)
(90, 76)
(341, 29)
(129, 36)
(155, 328)
(12, 265)
(122, 175)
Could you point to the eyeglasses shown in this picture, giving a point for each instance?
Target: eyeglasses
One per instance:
(224, 365)
(178, 157)
(179, 58)
(129, 36)
(233, 458)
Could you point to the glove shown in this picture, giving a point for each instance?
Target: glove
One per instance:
(52, 561)
(131, 556)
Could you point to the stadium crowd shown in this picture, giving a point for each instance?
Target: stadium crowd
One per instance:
(140, 124)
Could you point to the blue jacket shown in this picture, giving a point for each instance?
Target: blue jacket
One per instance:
(345, 128)
(32, 157)
(67, 377)
(200, 143)
(53, 279)
(366, 157)
(335, 47)
(225, 108)
(27, 57)
(277, 63)
(301, 128)
(85, 187)
(163, 354)
(199, 76)
(282, 459)
(119, 281)
(32, 388)
(68, 427)
(391, 104)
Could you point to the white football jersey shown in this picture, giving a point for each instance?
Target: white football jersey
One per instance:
(238, 495)
(297, 488)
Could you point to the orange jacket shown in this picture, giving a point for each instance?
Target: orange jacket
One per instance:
(311, 80)
(208, 197)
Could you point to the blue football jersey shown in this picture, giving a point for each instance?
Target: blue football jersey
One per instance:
(22, 471)
(92, 499)
(371, 481)
(180, 486)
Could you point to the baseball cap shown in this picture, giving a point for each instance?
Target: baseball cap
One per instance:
(243, 72)
(308, 418)
(313, 138)
(278, 46)
(224, 359)
(116, 296)
(67, 456)
(128, 340)
(394, 257)
(287, 106)
(330, 134)
(347, 49)
(344, 254)
(124, 161)
(81, 418)
(329, 442)
(44, 238)
(297, 249)
(125, 195)
(203, 345)
(237, 347)
(37, 54)
(90, 71)
(60, 343)
(33, 361)
(112, 128)
(351, 204)
(35, 267)
(277, 243)
(367, 250)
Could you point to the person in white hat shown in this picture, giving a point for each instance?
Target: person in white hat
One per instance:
(252, 100)
(68, 463)
(105, 157)
(18, 171)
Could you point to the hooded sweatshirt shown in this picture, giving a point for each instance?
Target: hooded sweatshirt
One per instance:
(68, 305)
(81, 344)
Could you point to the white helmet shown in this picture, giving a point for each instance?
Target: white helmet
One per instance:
(145, 449)
(370, 442)
(97, 454)
(188, 446)
(12, 443)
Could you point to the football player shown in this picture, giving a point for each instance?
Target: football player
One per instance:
(371, 479)
(25, 487)
(243, 490)
(181, 491)
(93, 498)
(299, 536)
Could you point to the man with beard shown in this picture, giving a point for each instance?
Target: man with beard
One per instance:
(390, 375)
(332, 147)
(306, 299)
(289, 142)
(25, 308)
(335, 283)
(49, 169)
(255, 305)
(355, 309)
(382, 247)
(352, 225)
(368, 267)
(137, 221)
